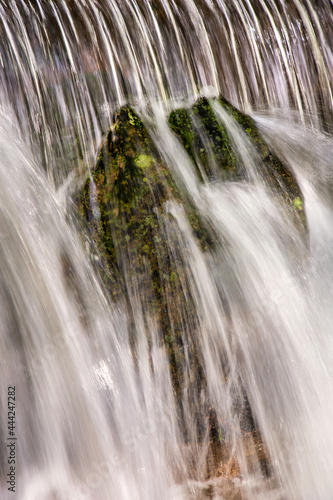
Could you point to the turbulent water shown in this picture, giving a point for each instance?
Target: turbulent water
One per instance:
(97, 414)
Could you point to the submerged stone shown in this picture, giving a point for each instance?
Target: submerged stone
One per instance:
(277, 176)
(207, 142)
(204, 138)
(124, 201)
(130, 185)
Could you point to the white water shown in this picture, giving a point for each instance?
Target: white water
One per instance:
(97, 417)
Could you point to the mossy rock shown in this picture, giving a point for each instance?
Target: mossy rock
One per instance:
(124, 197)
(277, 176)
(204, 138)
(123, 204)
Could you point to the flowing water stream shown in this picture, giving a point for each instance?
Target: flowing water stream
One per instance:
(97, 413)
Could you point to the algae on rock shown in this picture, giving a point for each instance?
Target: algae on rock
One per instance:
(207, 143)
(276, 175)
(132, 184)
(123, 202)
(205, 140)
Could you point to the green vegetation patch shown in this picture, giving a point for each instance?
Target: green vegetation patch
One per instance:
(203, 137)
(277, 176)
(123, 203)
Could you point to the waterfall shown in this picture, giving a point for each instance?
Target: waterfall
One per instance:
(175, 345)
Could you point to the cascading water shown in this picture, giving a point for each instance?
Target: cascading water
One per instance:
(223, 389)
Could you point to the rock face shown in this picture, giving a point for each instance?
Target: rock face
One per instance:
(204, 138)
(123, 204)
(124, 197)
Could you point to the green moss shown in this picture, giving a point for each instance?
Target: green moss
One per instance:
(123, 204)
(276, 175)
(298, 203)
(181, 123)
(248, 125)
(205, 139)
(202, 136)
(217, 134)
(132, 184)
(144, 161)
